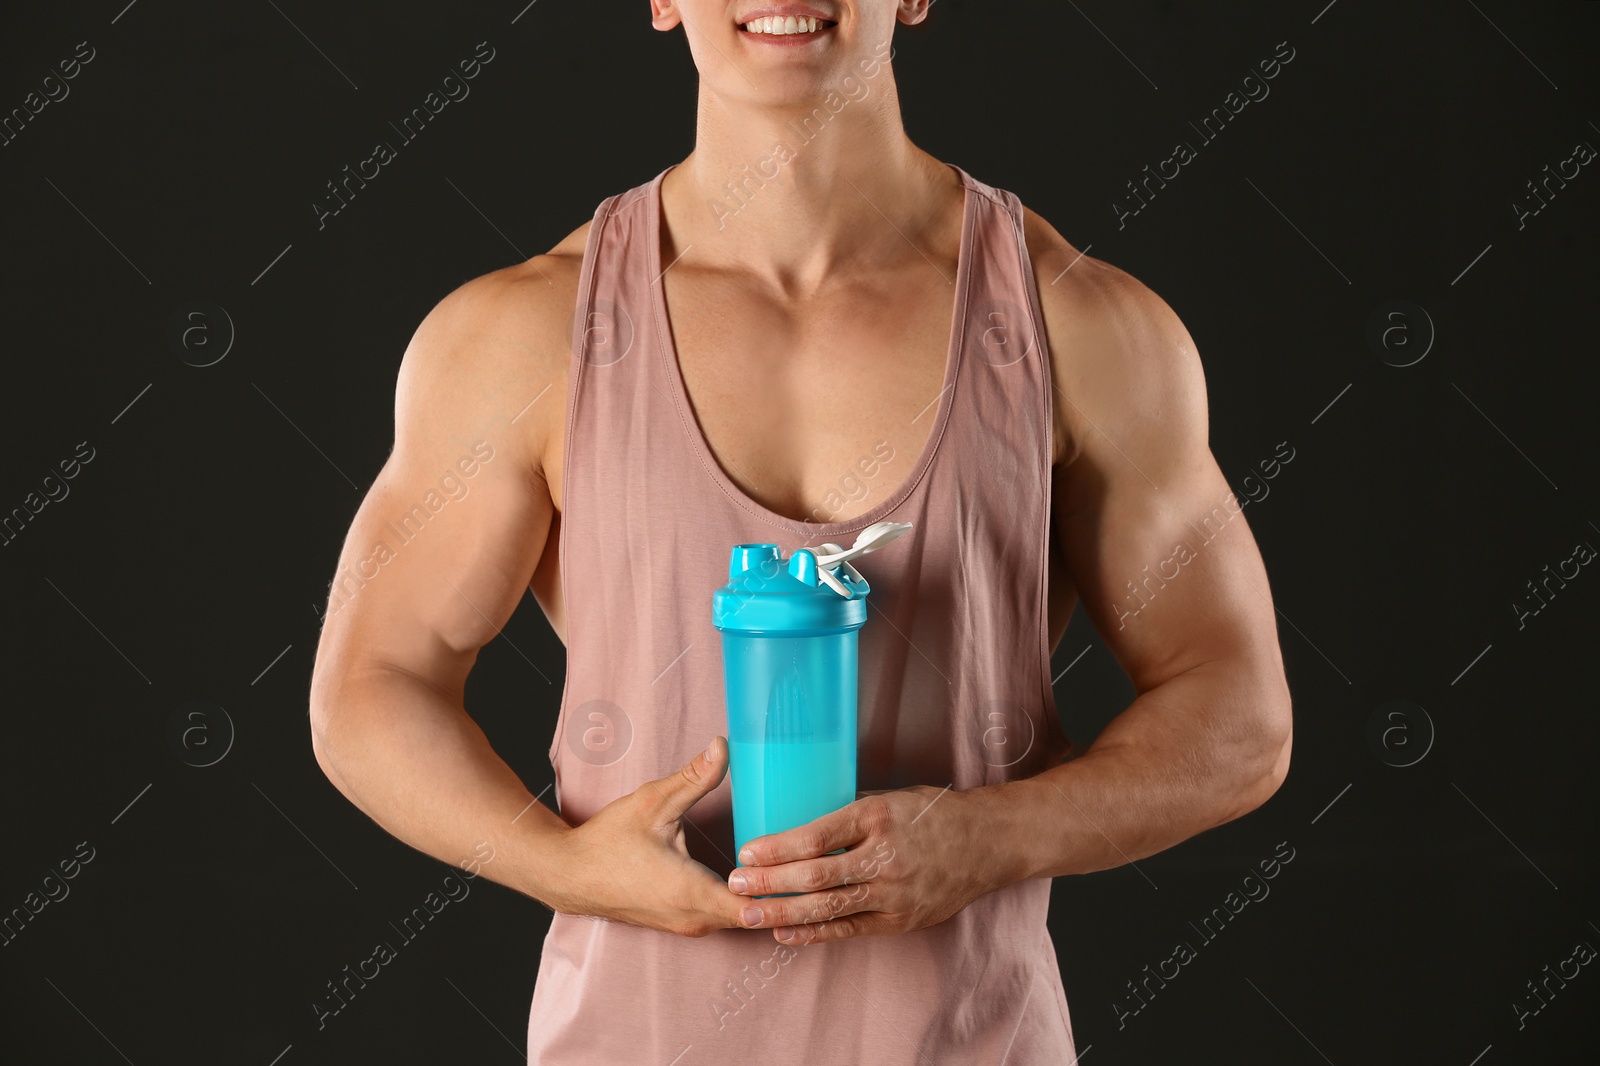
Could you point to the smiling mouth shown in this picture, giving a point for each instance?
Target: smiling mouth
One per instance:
(787, 26)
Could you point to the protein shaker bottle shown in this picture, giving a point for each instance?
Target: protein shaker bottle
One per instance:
(789, 637)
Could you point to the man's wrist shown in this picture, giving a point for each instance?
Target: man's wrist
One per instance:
(1011, 824)
(542, 863)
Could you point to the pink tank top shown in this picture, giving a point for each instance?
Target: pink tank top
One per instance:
(954, 680)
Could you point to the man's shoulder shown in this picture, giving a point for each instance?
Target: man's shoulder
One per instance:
(1092, 293)
(528, 303)
(499, 340)
(1111, 339)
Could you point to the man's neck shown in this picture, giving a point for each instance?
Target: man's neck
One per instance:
(789, 195)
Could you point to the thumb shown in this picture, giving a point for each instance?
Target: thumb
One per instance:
(674, 794)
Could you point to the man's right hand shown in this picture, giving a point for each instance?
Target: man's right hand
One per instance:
(630, 861)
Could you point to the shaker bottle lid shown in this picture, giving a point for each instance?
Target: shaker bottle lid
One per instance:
(812, 590)
(766, 594)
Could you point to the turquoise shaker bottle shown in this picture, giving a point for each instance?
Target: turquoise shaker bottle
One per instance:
(789, 637)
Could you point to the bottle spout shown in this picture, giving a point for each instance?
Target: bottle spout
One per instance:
(759, 557)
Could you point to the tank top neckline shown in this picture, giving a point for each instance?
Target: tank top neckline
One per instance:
(668, 351)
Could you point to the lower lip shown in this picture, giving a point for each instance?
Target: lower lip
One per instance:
(790, 40)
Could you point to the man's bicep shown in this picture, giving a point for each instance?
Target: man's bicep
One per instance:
(449, 535)
(1156, 543)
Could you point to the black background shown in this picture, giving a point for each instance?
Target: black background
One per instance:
(193, 554)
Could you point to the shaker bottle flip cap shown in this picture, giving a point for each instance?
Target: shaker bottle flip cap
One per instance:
(817, 589)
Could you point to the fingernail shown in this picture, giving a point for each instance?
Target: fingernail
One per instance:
(785, 935)
(709, 749)
(736, 882)
(747, 856)
(750, 916)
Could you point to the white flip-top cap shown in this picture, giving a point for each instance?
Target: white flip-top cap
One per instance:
(830, 557)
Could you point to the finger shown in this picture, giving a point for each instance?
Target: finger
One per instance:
(670, 796)
(838, 829)
(813, 907)
(711, 896)
(704, 892)
(807, 875)
(869, 923)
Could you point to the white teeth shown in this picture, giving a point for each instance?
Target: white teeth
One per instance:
(780, 25)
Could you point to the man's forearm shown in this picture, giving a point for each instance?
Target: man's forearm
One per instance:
(1200, 750)
(411, 758)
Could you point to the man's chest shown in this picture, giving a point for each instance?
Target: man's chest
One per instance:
(819, 409)
(816, 410)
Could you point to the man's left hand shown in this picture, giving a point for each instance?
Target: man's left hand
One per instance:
(912, 858)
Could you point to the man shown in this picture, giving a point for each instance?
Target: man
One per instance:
(805, 326)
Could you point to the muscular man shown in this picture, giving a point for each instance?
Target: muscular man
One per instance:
(805, 326)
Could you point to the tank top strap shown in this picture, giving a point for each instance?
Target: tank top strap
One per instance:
(1001, 469)
(611, 280)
